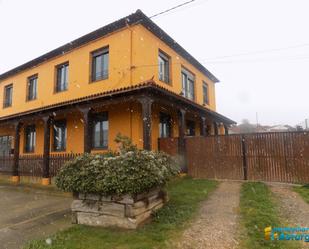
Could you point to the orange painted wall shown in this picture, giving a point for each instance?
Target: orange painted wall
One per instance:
(145, 47)
(145, 59)
(119, 121)
(79, 75)
(124, 118)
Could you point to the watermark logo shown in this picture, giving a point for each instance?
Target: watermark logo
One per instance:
(287, 233)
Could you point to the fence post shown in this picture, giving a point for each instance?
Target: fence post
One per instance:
(244, 157)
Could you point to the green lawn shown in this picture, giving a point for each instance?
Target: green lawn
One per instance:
(259, 210)
(185, 197)
(303, 191)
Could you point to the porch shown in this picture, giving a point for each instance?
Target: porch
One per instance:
(144, 113)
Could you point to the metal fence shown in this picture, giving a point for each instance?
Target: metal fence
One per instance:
(32, 165)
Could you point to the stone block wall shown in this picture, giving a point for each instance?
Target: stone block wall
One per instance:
(116, 211)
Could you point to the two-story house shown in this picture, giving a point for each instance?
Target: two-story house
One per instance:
(128, 77)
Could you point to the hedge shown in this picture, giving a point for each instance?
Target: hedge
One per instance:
(128, 171)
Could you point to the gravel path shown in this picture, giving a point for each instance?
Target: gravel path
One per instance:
(292, 207)
(216, 225)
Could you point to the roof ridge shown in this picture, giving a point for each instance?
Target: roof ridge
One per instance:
(131, 19)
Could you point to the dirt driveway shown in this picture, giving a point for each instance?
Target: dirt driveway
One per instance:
(292, 207)
(26, 215)
(217, 219)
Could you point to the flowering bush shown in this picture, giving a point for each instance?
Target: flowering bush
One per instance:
(129, 171)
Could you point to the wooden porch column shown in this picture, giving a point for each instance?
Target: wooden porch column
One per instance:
(182, 130)
(46, 152)
(216, 129)
(203, 126)
(146, 103)
(86, 112)
(15, 170)
(226, 129)
(181, 141)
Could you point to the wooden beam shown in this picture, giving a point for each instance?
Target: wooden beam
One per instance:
(15, 170)
(46, 152)
(203, 126)
(181, 141)
(226, 129)
(216, 128)
(86, 112)
(182, 128)
(146, 103)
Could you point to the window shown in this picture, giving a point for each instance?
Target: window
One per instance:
(205, 93)
(187, 84)
(165, 125)
(32, 87)
(164, 67)
(190, 125)
(100, 131)
(62, 77)
(60, 135)
(30, 137)
(100, 64)
(5, 145)
(8, 94)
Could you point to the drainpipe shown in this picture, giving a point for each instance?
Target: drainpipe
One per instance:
(130, 71)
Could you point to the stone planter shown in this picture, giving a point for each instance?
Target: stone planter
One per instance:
(116, 211)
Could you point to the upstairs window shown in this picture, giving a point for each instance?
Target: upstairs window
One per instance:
(100, 131)
(30, 137)
(165, 125)
(205, 93)
(8, 94)
(100, 64)
(187, 84)
(164, 67)
(60, 135)
(62, 77)
(32, 87)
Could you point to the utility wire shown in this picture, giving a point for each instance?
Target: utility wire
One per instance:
(218, 58)
(279, 59)
(271, 50)
(173, 8)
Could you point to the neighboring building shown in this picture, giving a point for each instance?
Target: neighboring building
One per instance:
(280, 128)
(303, 126)
(246, 128)
(128, 77)
(253, 128)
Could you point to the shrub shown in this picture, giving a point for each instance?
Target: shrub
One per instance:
(129, 171)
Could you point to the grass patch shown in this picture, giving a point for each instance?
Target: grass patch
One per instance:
(303, 191)
(258, 210)
(185, 197)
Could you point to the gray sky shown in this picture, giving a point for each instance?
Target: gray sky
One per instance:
(273, 81)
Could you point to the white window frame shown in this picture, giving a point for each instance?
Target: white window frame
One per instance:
(205, 98)
(188, 84)
(164, 67)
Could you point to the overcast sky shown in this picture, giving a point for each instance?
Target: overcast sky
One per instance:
(259, 49)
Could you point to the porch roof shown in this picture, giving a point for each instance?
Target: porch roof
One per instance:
(149, 88)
